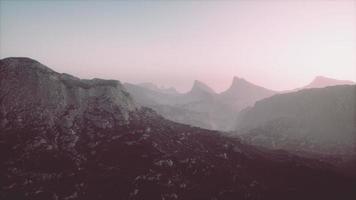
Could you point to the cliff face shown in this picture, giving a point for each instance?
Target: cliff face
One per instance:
(33, 93)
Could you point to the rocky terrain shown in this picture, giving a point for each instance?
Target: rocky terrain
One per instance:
(67, 138)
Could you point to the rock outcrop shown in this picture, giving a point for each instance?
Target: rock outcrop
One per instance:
(30, 90)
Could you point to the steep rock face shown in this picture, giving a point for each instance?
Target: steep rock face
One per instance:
(135, 156)
(314, 120)
(59, 99)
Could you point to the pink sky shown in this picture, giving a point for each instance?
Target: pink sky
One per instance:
(276, 44)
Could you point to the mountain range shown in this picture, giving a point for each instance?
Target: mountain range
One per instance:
(62, 137)
(202, 106)
(312, 121)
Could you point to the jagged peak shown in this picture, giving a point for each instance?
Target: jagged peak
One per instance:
(238, 80)
(200, 86)
(242, 85)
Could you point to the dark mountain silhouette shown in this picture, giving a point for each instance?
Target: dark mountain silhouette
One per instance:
(67, 138)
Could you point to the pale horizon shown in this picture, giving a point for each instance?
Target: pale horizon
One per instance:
(277, 45)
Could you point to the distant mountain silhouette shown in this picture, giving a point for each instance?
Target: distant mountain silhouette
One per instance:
(242, 94)
(200, 86)
(202, 106)
(151, 86)
(62, 137)
(318, 121)
(199, 107)
(199, 92)
(321, 81)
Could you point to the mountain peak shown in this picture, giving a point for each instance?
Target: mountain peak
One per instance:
(24, 63)
(322, 81)
(242, 93)
(200, 86)
(55, 94)
(240, 83)
(237, 80)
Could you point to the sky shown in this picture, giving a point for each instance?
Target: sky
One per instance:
(277, 44)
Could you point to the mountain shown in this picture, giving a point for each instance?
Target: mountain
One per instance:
(199, 86)
(148, 97)
(54, 94)
(242, 94)
(151, 86)
(321, 81)
(320, 121)
(67, 138)
(199, 92)
(199, 107)
(202, 106)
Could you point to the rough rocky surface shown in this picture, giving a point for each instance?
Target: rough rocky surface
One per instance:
(66, 138)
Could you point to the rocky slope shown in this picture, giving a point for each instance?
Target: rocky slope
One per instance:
(67, 138)
(318, 121)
